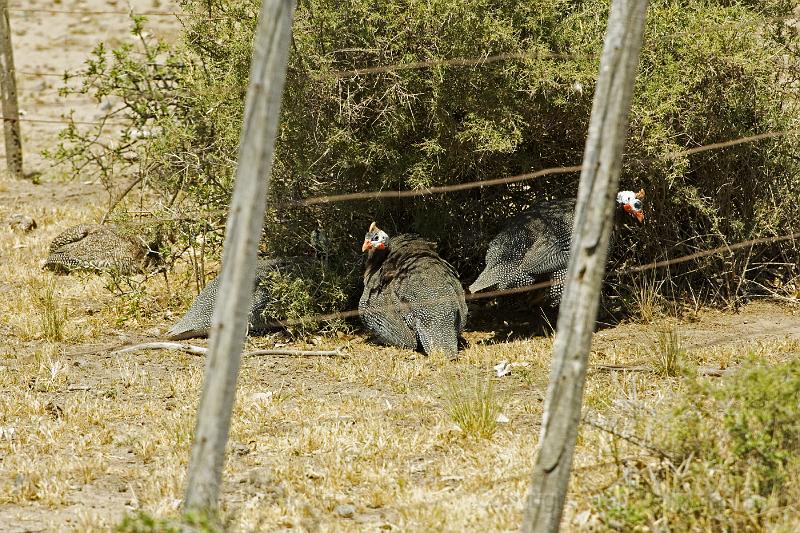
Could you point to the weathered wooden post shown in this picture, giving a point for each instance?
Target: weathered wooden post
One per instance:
(590, 236)
(245, 222)
(8, 83)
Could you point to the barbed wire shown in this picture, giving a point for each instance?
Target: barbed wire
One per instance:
(706, 253)
(64, 121)
(476, 184)
(734, 23)
(351, 313)
(44, 74)
(89, 12)
(538, 54)
(458, 62)
(325, 199)
(397, 67)
(184, 13)
(314, 200)
(733, 142)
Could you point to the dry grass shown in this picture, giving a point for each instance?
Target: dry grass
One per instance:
(52, 316)
(473, 405)
(647, 300)
(669, 355)
(88, 437)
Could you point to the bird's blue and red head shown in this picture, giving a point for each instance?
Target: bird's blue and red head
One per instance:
(375, 239)
(631, 203)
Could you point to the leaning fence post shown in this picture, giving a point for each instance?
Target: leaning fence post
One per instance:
(245, 222)
(590, 235)
(9, 89)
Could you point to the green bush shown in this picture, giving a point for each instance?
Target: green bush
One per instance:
(710, 71)
(295, 297)
(734, 458)
(141, 522)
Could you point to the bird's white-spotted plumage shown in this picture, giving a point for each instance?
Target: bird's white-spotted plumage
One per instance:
(535, 245)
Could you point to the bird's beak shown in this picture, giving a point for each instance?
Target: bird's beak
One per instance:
(366, 246)
(638, 214)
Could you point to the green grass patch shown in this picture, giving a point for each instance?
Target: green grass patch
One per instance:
(734, 462)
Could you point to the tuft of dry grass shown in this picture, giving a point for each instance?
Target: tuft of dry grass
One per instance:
(473, 405)
(670, 355)
(52, 315)
(646, 300)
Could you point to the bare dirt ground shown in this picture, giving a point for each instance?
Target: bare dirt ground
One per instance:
(87, 436)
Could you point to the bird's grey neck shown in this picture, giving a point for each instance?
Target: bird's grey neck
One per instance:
(375, 259)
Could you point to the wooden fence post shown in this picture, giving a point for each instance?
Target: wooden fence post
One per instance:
(590, 236)
(8, 83)
(245, 222)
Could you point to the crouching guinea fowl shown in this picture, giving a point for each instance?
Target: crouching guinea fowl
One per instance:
(534, 245)
(412, 297)
(99, 248)
(262, 315)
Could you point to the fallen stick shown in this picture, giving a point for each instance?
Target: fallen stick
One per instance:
(703, 370)
(199, 350)
(625, 368)
(188, 348)
(300, 353)
(717, 372)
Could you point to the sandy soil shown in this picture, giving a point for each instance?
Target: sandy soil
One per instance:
(95, 436)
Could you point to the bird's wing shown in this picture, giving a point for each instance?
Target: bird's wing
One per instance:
(69, 236)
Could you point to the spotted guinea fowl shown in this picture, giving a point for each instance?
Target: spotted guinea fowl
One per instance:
(264, 309)
(412, 297)
(97, 247)
(535, 245)
(262, 317)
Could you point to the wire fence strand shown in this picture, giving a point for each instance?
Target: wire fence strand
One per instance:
(458, 62)
(90, 13)
(341, 315)
(375, 195)
(475, 184)
(65, 122)
(45, 74)
(733, 142)
(438, 190)
(713, 251)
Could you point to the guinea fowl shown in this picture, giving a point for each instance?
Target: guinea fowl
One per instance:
(412, 297)
(265, 305)
(535, 244)
(262, 317)
(97, 247)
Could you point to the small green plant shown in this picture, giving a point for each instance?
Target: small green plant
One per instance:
(733, 445)
(142, 522)
(670, 355)
(473, 405)
(296, 298)
(52, 316)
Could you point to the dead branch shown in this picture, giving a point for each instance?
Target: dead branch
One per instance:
(121, 196)
(703, 370)
(623, 368)
(299, 353)
(199, 350)
(188, 348)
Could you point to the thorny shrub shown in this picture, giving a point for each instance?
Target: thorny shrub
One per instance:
(710, 71)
